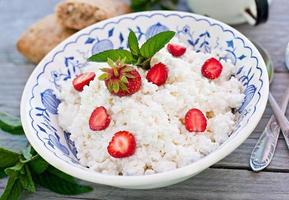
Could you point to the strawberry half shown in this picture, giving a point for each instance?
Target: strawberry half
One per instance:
(176, 50)
(158, 74)
(82, 79)
(121, 79)
(122, 145)
(212, 69)
(195, 121)
(99, 119)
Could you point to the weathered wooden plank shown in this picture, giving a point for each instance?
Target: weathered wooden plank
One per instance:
(217, 184)
(239, 159)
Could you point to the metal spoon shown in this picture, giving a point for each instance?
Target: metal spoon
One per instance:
(280, 117)
(264, 149)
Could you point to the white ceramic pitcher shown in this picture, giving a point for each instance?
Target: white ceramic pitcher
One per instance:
(233, 11)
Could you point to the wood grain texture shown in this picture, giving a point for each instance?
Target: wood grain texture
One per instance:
(216, 184)
(229, 179)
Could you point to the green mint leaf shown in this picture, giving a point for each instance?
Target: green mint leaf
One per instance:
(15, 170)
(10, 124)
(13, 189)
(8, 158)
(133, 44)
(156, 43)
(61, 174)
(38, 165)
(2, 173)
(60, 185)
(26, 180)
(114, 54)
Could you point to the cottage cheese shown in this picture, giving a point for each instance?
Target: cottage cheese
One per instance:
(153, 115)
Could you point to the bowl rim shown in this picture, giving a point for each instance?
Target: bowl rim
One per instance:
(132, 181)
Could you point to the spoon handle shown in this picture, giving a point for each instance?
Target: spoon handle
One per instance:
(264, 149)
(280, 117)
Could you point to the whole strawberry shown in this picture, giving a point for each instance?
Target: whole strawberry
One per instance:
(121, 79)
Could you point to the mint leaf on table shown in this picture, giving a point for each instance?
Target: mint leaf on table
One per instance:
(26, 179)
(2, 173)
(133, 44)
(15, 170)
(114, 54)
(60, 174)
(156, 43)
(38, 165)
(10, 124)
(8, 158)
(26, 168)
(13, 189)
(59, 185)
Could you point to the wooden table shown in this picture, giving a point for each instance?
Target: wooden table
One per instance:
(231, 178)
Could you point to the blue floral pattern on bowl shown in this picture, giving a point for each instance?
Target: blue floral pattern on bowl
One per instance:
(199, 32)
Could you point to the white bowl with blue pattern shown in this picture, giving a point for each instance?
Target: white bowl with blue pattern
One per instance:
(39, 103)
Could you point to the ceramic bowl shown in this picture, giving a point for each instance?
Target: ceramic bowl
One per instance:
(39, 102)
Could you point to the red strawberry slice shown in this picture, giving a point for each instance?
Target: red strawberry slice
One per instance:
(212, 68)
(158, 74)
(99, 119)
(195, 121)
(176, 50)
(82, 79)
(122, 145)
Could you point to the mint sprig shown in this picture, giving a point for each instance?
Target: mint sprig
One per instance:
(26, 169)
(10, 124)
(139, 56)
(13, 189)
(57, 183)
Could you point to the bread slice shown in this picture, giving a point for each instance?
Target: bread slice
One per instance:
(78, 14)
(42, 37)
